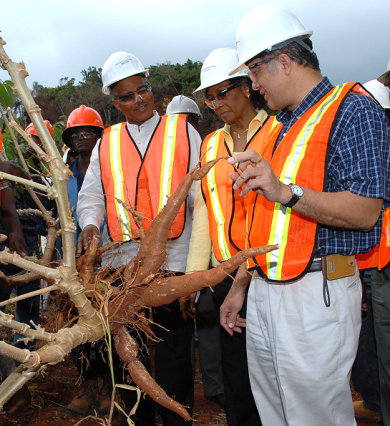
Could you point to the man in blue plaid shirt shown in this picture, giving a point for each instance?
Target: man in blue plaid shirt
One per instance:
(302, 336)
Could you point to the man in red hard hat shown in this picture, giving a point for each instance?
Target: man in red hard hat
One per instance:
(32, 131)
(83, 129)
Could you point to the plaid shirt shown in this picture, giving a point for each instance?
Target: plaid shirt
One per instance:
(358, 161)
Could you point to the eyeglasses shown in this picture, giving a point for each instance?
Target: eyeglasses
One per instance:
(264, 61)
(83, 135)
(131, 97)
(211, 102)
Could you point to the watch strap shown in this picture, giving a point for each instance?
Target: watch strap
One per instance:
(293, 200)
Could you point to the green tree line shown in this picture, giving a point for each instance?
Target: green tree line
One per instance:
(56, 103)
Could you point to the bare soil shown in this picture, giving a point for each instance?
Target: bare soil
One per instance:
(54, 390)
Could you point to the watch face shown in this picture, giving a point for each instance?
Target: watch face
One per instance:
(297, 190)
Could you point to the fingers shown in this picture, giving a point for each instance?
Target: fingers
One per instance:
(182, 304)
(187, 306)
(192, 303)
(230, 320)
(233, 325)
(246, 158)
(245, 177)
(79, 246)
(18, 245)
(85, 238)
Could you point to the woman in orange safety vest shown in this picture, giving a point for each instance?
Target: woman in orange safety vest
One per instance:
(218, 230)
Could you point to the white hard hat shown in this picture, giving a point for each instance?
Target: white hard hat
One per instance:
(382, 77)
(217, 66)
(183, 105)
(380, 92)
(264, 29)
(119, 66)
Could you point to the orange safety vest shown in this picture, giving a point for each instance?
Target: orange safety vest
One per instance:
(379, 256)
(226, 208)
(299, 159)
(146, 183)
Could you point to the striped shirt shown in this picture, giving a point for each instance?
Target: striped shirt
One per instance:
(358, 161)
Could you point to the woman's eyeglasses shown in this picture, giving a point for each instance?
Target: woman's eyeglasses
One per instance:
(211, 101)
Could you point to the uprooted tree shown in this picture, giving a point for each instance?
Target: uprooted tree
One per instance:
(103, 309)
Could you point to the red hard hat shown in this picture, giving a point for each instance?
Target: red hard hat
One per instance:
(80, 117)
(31, 129)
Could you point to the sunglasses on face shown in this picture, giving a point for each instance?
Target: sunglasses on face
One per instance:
(131, 97)
(211, 101)
(83, 135)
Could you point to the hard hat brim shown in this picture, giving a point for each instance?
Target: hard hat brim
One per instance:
(106, 89)
(217, 81)
(382, 77)
(67, 133)
(273, 46)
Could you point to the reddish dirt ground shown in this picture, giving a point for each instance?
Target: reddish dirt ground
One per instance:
(53, 391)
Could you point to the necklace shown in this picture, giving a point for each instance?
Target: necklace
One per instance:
(239, 133)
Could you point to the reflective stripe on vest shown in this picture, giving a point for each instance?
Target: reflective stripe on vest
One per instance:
(300, 159)
(167, 162)
(212, 147)
(117, 175)
(225, 206)
(145, 184)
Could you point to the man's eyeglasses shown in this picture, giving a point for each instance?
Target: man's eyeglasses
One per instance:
(83, 135)
(264, 61)
(131, 97)
(211, 101)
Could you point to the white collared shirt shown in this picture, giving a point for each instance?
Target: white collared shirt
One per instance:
(91, 209)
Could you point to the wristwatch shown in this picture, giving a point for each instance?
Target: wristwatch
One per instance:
(297, 192)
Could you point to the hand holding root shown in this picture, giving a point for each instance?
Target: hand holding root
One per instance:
(85, 238)
(259, 177)
(187, 306)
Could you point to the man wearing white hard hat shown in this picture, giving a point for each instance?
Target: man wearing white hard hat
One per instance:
(129, 164)
(319, 183)
(378, 275)
(183, 105)
(385, 77)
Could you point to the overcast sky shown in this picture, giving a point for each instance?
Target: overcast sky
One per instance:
(59, 39)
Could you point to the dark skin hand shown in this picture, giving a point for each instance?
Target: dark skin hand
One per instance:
(10, 168)
(187, 306)
(11, 223)
(85, 238)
